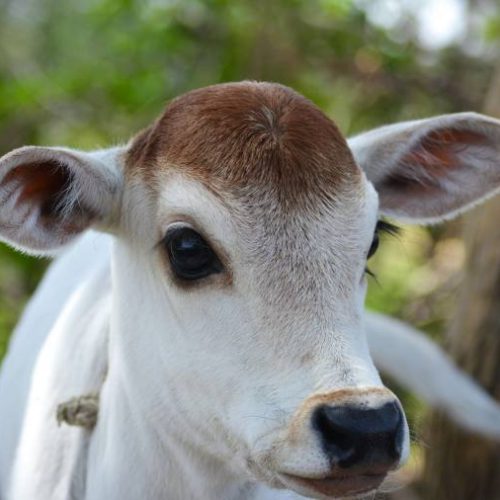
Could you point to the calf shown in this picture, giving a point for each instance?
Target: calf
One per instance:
(218, 309)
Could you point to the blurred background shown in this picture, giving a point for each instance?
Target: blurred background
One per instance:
(90, 74)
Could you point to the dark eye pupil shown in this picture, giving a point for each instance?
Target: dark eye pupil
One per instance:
(190, 255)
(190, 251)
(374, 246)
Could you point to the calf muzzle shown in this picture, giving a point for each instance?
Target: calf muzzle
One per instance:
(361, 439)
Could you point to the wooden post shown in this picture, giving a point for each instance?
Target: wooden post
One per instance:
(458, 465)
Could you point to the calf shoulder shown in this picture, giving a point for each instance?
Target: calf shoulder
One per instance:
(59, 350)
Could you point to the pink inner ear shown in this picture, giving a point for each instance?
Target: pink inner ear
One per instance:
(437, 151)
(40, 183)
(44, 185)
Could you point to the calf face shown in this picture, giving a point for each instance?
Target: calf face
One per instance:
(243, 224)
(261, 223)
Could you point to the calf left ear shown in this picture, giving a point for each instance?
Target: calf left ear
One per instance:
(50, 195)
(429, 170)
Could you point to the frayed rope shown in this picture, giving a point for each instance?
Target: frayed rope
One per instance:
(81, 411)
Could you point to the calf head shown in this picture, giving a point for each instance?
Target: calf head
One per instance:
(243, 222)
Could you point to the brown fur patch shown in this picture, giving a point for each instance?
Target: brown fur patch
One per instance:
(239, 136)
(346, 396)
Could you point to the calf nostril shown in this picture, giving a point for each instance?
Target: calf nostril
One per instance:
(355, 436)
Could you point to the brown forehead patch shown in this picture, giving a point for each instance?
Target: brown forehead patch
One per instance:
(240, 136)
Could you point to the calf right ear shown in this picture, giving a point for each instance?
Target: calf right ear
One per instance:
(429, 170)
(50, 195)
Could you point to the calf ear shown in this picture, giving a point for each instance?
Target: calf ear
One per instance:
(50, 195)
(429, 170)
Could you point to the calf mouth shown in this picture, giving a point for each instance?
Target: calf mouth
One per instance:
(337, 486)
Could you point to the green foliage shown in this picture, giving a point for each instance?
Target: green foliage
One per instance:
(19, 276)
(90, 73)
(492, 28)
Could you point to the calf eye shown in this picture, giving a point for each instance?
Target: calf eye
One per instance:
(374, 245)
(190, 256)
(382, 227)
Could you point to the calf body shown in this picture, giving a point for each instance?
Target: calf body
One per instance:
(221, 319)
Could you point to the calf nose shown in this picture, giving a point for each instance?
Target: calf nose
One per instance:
(370, 439)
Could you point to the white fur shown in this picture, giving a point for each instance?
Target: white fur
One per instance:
(421, 366)
(65, 277)
(204, 393)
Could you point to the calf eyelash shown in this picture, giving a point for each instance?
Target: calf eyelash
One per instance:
(371, 274)
(386, 228)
